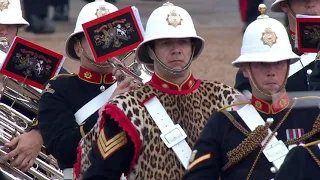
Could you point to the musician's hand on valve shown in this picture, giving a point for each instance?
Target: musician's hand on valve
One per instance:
(129, 83)
(118, 74)
(26, 147)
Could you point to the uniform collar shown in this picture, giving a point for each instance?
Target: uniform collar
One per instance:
(292, 35)
(94, 77)
(158, 81)
(273, 108)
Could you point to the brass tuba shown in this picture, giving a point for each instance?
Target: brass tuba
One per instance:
(14, 123)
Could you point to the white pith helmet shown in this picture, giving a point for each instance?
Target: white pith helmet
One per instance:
(11, 13)
(275, 7)
(168, 21)
(88, 13)
(266, 40)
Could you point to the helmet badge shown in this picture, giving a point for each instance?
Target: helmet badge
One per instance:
(269, 37)
(174, 19)
(4, 4)
(101, 11)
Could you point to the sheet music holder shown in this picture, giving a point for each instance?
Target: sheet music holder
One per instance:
(307, 33)
(114, 34)
(30, 63)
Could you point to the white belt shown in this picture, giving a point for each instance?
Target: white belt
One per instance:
(171, 134)
(275, 151)
(306, 59)
(68, 173)
(92, 106)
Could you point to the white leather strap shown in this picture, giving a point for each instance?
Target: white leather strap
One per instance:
(275, 151)
(306, 59)
(68, 173)
(171, 134)
(92, 106)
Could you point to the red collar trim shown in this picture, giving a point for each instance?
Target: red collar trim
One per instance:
(94, 77)
(163, 85)
(187, 84)
(273, 108)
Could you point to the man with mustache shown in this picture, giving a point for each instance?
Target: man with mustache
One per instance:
(146, 133)
(299, 75)
(251, 141)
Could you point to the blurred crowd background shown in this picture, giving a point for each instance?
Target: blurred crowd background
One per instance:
(36, 13)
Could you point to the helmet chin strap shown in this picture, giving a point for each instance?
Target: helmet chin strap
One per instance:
(171, 70)
(100, 65)
(267, 94)
(291, 13)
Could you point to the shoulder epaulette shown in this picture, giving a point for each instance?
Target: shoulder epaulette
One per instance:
(61, 75)
(234, 104)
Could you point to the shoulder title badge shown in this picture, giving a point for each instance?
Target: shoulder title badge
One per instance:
(174, 19)
(269, 37)
(102, 11)
(4, 4)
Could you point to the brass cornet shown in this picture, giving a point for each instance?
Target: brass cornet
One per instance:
(138, 71)
(4, 44)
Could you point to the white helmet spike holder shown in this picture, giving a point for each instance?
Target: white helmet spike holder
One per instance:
(275, 7)
(265, 40)
(11, 13)
(168, 21)
(88, 13)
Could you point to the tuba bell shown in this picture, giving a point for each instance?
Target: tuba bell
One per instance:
(15, 97)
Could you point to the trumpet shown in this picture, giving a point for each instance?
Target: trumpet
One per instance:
(138, 71)
(4, 44)
(13, 123)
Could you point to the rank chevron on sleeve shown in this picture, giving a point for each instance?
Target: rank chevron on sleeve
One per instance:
(108, 147)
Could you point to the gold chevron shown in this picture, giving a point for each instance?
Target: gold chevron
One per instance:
(108, 147)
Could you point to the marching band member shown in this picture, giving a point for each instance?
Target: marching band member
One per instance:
(67, 108)
(147, 133)
(251, 142)
(299, 74)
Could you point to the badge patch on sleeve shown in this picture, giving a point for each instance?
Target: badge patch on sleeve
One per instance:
(48, 89)
(108, 147)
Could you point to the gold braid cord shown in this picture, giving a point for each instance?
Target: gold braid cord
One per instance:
(268, 140)
(313, 156)
(248, 145)
(236, 123)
